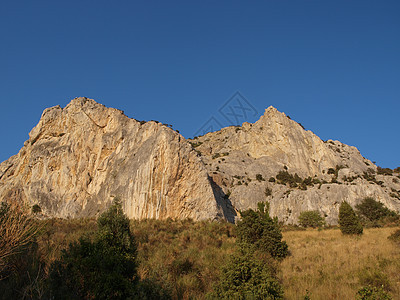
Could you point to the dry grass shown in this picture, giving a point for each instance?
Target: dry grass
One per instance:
(17, 230)
(332, 266)
(184, 257)
(57, 234)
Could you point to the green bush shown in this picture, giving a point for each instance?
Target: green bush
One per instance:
(259, 177)
(372, 293)
(102, 269)
(331, 171)
(348, 221)
(372, 211)
(258, 230)
(284, 177)
(384, 171)
(311, 218)
(251, 270)
(248, 276)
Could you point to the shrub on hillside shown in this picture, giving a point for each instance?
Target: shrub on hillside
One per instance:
(372, 293)
(372, 211)
(257, 229)
(348, 221)
(311, 218)
(259, 177)
(284, 177)
(251, 270)
(248, 276)
(101, 269)
(384, 171)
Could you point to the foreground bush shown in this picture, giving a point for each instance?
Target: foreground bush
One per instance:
(348, 221)
(248, 276)
(101, 269)
(251, 270)
(258, 230)
(311, 218)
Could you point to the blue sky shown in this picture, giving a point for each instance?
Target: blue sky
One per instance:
(333, 66)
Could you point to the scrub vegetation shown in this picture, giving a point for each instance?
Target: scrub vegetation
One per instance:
(183, 259)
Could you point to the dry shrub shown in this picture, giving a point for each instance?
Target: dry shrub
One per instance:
(17, 230)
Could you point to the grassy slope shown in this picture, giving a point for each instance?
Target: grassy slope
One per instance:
(185, 257)
(333, 266)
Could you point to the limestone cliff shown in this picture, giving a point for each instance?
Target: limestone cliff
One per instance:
(80, 157)
(245, 161)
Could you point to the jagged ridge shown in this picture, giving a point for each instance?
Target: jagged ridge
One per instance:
(79, 158)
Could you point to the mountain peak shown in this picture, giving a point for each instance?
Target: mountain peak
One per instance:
(80, 157)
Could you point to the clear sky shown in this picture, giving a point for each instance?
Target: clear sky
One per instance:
(333, 66)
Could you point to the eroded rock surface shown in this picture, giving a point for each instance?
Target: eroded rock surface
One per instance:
(78, 159)
(245, 161)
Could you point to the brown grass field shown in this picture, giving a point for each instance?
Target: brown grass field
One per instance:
(332, 266)
(185, 258)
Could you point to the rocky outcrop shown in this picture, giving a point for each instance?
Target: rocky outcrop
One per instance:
(78, 159)
(81, 157)
(245, 162)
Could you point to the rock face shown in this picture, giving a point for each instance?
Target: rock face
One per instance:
(79, 158)
(315, 175)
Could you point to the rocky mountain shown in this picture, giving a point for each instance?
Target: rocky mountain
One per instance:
(79, 158)
(277, 160)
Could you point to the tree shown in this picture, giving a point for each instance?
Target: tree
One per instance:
(373, 211)
(258, 230)
(348, 221)
(311, 218)
(105, 268)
